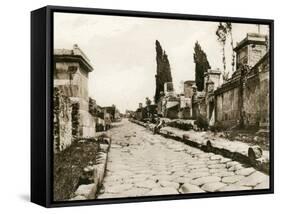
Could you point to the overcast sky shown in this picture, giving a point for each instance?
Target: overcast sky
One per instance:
(122, 51)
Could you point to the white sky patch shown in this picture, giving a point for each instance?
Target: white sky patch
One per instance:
(122, 51)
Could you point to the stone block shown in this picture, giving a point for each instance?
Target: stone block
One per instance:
(189, 188)
(87, 190)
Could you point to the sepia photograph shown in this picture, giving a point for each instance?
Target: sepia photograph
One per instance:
(146, 107)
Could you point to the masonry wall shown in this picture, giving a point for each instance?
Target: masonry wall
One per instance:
(251, 102)
(62, 126)
(264, 96)
(227, 107)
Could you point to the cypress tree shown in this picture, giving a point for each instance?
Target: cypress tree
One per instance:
(163, 70)
(201, 66)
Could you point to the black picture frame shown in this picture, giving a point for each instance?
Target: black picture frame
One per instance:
(41, 103)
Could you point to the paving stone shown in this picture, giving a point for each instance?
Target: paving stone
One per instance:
(182, 180)
(195, 175)
(216, 157)
(204, 180)
(225, 160)
(169, 184)
(148, 184)
(204, 169)
(163, 191)
(232, 179)
(223, 174)
(118, 188)
(190, 188)
(216, 166)
(217, 170)
(263, 185)
(234, 187)
(212, 187)
(134, 192)
(211, 162)
(154, 165)
(235, 167)
(253, 179)
(196, 166)
(231, 163)
(245, 171)
(109, 195)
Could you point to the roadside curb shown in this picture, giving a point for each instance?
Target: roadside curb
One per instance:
(90, 191)
(244, 155)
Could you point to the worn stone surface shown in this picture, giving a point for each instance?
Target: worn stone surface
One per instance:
(143, 164)
(204, 180)
(253, 179)
(212, 187)
(263, 185)
(190, 188)
(232, 179)
(234, 187)
(87, 190)
(163, 191)
(245, 171)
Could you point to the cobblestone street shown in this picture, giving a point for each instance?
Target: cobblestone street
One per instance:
(143, 164)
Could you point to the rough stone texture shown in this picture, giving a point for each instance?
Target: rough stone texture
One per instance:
(253, 179)
(169, 184)
(163, 191)
(151, 164)
(204, 180)
(234, 187)
(232, 179)
(87, 190)
(212, 187)
(62, 121)
(190, 188)
(263, 185)
(245, 171)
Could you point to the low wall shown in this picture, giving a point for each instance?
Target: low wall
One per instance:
(97, 172)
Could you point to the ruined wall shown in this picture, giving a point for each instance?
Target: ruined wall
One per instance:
(256, 94)
(264, 95)
(227, 107)
(251, 102)
(62, 127)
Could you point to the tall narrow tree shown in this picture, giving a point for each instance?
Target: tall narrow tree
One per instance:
(228, 26)
(163, 70)
(201, 66)
(221, 33)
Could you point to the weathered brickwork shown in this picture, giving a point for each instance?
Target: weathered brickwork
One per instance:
(62, 121)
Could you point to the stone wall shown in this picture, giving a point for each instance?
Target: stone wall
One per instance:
(251, 102)
(252, 108)
(227, 107)
(62, 121)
